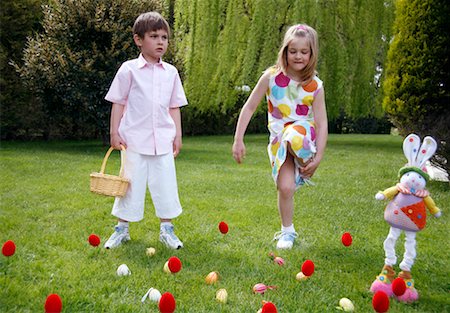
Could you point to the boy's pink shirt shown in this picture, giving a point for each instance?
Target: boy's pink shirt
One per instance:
(147, 91)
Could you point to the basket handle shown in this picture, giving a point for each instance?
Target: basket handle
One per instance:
(122, 160)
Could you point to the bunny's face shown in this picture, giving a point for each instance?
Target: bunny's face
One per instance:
(413, 181)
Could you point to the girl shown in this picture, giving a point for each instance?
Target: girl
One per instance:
(297, 121)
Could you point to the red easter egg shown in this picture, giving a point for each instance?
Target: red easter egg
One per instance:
(167, 303)
(398, 286)
(8, 248)
(174, 264)
(223, 227)
(94, 240)
(53, 304)
(347, 239)
(269, 307)
(380, 302)
(308, 267)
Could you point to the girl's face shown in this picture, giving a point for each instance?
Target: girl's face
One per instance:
(153, 45)
(298, 54)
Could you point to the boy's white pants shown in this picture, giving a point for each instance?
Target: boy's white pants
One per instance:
(410, 248)
(158, 173)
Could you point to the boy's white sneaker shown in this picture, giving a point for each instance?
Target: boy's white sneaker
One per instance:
(168, 237)
(285, 239)
(119, 236)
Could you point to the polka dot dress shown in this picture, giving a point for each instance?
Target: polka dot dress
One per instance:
(291, 120)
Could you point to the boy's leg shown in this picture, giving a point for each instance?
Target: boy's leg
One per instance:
(162, 183)
(286, 190)
(131, 206)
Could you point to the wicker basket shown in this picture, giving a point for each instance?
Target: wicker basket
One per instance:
(110, 185)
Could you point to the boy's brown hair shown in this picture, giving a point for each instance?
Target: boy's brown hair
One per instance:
(150, 21)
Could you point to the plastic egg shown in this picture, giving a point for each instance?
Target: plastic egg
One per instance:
(174, 264)
(223, 227)
(211, 278)
(8, 248)
(166, 268)
(300, 276)
(167, 303)
(346, 305)
(150, 251)
(346, 239)
(94, 240)
(222, 295)
(53, 304)
(153, 294)
(123, 270)
(380, 302)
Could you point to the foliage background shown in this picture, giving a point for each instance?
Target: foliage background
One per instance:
(218, 46)
(221, 48)
(417, 94)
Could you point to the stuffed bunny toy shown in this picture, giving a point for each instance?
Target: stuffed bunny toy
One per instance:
(406, 212)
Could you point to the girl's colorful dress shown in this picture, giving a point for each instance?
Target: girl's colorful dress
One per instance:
(291, 120)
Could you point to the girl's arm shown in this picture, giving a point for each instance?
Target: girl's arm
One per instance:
(176, 116)
(246, 114)
(116, 116)
(321, 121)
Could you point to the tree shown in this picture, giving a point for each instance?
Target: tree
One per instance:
(417, 95)
(225, 44)
(71, 64)
(19, 114)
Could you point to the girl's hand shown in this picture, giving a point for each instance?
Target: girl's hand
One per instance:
(308, 170)
(117, 141)
(239, 151)
(176, 146)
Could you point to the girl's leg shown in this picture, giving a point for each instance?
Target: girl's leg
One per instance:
(286, 191)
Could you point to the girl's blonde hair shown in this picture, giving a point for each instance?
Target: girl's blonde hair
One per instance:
(300, 30)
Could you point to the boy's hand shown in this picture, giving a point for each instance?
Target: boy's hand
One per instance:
(117, 141)
(238, 151)
(177, 144)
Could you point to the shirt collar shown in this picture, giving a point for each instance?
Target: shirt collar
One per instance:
(143, 62)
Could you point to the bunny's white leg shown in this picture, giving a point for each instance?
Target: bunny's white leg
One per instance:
(389, 246)
(410, 251)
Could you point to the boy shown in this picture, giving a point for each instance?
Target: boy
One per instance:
(146, 96)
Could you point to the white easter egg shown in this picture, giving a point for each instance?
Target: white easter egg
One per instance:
(154, 295)
(222, 295)
(123, 270)
(166, 268)
(347, 305)
(150, 251)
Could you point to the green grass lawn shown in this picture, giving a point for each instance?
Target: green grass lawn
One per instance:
(47, 210)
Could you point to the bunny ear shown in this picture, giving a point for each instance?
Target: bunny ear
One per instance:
(411, 146)
(426, 151)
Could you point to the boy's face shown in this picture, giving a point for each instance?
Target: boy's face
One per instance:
(153, 45)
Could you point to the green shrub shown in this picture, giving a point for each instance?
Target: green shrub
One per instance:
(72, 63)
(19, 114)
(417, 80)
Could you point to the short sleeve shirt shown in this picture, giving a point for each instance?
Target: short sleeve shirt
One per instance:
(147, 91)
